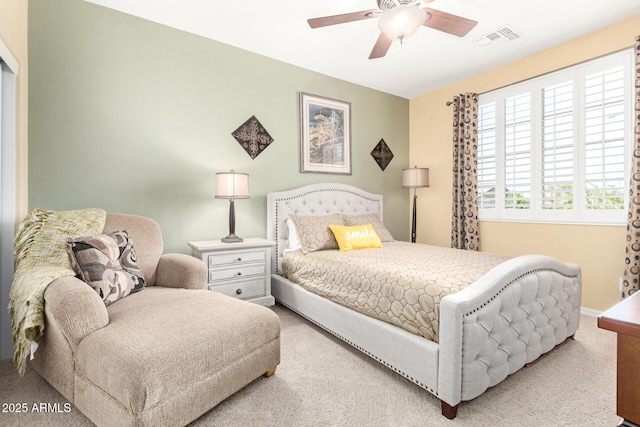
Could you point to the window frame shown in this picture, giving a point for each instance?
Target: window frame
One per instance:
(579, 214)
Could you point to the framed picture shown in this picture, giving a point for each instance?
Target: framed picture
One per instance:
(325, 135)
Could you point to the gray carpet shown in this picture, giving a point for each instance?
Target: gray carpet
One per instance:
(323, 382)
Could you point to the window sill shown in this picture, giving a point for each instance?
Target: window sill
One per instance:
(555, 221)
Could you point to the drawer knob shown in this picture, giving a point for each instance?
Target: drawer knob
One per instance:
(238, 291)
(239, 259)
(239, 273)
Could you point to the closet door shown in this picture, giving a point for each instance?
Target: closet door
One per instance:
(8, 141)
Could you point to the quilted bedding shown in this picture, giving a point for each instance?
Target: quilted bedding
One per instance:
(401, 283)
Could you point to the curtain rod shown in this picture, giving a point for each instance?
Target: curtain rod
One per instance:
(475, 95)
(558, 69)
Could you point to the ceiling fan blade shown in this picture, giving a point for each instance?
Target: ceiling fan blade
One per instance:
(448, 23)
(344, 18)
(381, 47)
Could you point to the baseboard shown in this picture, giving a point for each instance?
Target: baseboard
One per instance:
(590, 312)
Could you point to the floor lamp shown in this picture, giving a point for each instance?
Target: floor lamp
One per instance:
(232, 185)
(415, 177)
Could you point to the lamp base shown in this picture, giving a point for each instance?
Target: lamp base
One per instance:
(413, 217)
(232, 238)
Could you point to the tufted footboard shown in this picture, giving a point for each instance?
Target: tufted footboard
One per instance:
(518, 311)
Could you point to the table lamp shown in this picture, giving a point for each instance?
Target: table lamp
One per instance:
(232, 185)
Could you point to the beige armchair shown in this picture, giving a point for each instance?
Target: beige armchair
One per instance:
(162, 356)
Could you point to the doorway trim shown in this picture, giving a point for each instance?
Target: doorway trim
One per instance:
(8, 113)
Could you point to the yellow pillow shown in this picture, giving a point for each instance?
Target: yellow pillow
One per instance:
(355, 237)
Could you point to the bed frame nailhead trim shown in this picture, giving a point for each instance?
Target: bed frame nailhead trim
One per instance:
(512, 282)
(354, 345)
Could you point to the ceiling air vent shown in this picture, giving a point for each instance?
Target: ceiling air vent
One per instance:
(505, 33)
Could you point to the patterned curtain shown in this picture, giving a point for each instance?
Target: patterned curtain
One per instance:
(632, 256)
(464, 224)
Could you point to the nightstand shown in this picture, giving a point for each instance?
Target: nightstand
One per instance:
(241, 270)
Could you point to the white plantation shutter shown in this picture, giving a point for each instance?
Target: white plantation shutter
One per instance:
(557, 146)
(605, 139)
(554, 148)
(517, 158)
(487, 156)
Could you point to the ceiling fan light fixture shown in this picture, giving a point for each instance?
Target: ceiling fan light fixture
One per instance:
(401, 22)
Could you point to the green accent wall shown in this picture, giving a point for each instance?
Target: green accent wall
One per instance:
(136, 117)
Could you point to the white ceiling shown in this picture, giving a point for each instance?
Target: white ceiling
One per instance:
(430, 60)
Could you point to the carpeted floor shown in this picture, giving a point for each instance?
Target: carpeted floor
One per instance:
(323, 382)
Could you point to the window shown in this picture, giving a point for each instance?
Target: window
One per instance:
(553, 149)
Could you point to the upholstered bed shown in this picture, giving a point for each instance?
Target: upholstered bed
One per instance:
(519, 310)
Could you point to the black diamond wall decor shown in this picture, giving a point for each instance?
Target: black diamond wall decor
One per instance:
(382, 154)
(253, 137)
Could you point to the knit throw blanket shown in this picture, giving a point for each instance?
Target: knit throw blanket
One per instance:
(40, 258)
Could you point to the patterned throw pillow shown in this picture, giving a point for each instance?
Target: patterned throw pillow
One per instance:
(372, 219)
(356, 237)
(314, 233)
(107, 262)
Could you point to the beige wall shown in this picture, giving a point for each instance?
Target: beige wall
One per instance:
(598, 249)
(13, 32)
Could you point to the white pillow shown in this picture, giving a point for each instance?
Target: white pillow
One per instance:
(294, 241)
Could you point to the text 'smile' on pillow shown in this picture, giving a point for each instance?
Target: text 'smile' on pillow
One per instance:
(351, 237)
(374, 220)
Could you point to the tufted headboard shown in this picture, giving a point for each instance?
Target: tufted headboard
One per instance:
(315, 199)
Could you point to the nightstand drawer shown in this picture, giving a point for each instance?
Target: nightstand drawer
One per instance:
(237, 271)
(236, 257)
(241, 270)
(242, 289)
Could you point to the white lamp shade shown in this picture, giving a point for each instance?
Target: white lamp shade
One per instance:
(402, 21)
(415, 177)
(232, 185)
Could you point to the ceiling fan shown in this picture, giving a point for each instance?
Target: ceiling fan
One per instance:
(399, 20)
